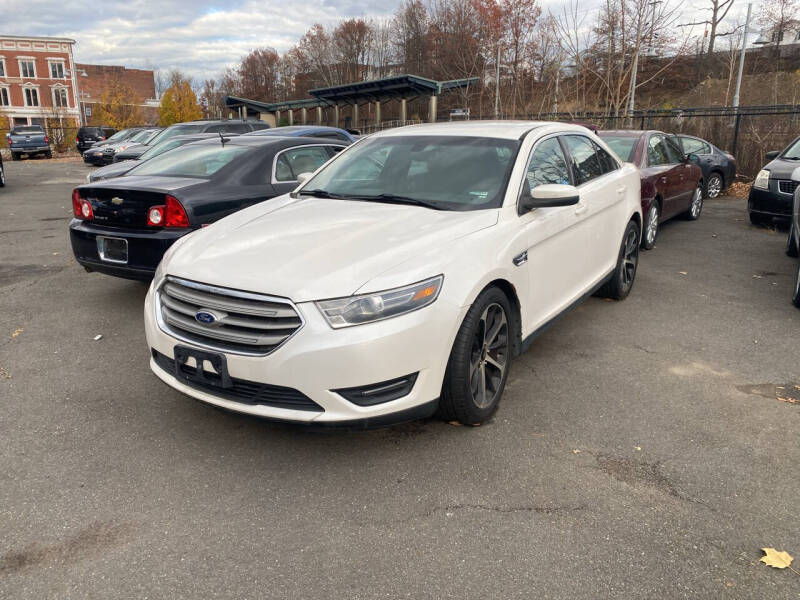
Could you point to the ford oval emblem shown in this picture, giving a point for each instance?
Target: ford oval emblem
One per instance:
(206, 317)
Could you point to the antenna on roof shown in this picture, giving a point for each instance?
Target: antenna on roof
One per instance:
(223, 139)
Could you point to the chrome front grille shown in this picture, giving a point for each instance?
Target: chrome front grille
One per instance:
(243, 322)
(787, 186)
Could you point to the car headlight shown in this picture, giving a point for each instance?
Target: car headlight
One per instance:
(366, 308)
(762, 180)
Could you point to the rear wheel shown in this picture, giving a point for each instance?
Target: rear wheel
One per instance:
(2, 176)
(16, 156)
(621, 282)
(796, 296)
(791, 245)
(696, 207)
(651, 226)
(714, 185)
(478, 366)
(48, 154)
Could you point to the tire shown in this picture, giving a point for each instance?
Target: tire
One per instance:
(2, 176)
(621, 282)
(48, 154)
(796, 296)
(16, 156)
(651, 225)
(759, 220)
(476, 360)
(715, 185)
(791, 246)
(696, 207)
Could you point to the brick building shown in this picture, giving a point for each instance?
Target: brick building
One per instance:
(94, 80)
(37, 80)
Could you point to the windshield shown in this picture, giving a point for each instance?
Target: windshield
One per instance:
(623, 146)
(173, 131)
(446, 172)
(793, 151)
(158, 149)
(141, 136)
(120, 135)
(191, 161)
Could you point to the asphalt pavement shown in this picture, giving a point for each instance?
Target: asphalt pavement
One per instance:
(640, 450)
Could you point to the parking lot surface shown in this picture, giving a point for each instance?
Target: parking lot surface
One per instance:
(639, 452)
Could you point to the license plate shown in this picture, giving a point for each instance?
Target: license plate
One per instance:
(201, 367)
(113, 250)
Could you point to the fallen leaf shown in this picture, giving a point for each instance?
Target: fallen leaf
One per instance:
(682, 273)
(789, 400)
(638, 447)
(773, 558)
(758, 277)
(99, 336)
(713, 235)
(17, 332)
(576, 451)
(454, 423)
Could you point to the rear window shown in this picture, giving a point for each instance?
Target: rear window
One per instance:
(191, 161)
(28, 129)
(174, 130)
(623, 146)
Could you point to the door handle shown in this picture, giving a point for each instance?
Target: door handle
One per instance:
(663, 180)
(581, 208)
(622, 190)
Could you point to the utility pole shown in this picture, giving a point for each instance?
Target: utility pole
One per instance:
(497, 86)
(555, 104)
(741, 57)
(632, 96)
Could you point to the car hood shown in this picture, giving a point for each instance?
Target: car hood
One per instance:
(781, 168)
(316, 248)
(113, 170)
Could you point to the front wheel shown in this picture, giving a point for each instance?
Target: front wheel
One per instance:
(621, 282)
(696, 207)
(2, 176)
(651, 226)
(791, 246)
(478, 366)
(714, 185)
(796, 296)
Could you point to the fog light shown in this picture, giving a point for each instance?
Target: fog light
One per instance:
(378, 393)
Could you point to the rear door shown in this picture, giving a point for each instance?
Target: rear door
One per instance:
(685, 183)
(662, 163)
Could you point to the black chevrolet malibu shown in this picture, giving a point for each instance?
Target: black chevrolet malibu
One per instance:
(123, 226)
(772, 194)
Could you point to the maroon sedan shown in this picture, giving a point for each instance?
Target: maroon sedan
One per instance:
(671, 183)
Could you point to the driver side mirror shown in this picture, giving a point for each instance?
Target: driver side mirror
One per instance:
(772, 155)
(303, 177)
(549, 195)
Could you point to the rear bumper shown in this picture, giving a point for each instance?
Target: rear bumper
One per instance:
(29, 149)
(771, 203)
(145, 249)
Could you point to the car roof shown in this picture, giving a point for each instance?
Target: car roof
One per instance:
(628, 132)
(512, 130)
(267, 140)
(295, 129)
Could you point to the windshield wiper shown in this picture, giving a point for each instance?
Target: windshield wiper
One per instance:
(319, 194)
(396, 199)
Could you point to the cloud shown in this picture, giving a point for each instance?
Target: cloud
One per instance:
(201, 38)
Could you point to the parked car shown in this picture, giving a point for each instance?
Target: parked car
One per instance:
(142, 138)
(672, 183)
(401, 278)
(28, 139)
(118, 169)
(201, 126)
(87, 136)
(315, 131)
(793, 240)
(718, 166)
(772, 192)
(94, 154)
(123, 226)
(2, 173)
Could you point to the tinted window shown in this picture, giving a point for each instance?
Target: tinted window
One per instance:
(586, 162)
(623, 146)
(695, 146)
(674, 150)
(657, 151)
(191, 161)
(547, 165)
(161, 148)
(606, 160)
(453, 172)
(258, 126)
(236, 128)
(299, 160)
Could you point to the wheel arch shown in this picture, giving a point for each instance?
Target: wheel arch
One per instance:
(510, 292)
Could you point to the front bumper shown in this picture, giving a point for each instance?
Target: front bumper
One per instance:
(145, 248)
(94, 157)
(771, 202)
(319, 359)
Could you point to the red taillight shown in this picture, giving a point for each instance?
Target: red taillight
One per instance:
(78, 140)
(102, 138)
(81, 208)
(171, 214)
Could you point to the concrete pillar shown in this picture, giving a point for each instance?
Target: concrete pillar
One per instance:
(403, 111)
(291, 116)
(336, 115)
(277, 118)
(269, 118)
(303, 116)
(319, 115)
(355, 116)
(432, 109)
(378, 112)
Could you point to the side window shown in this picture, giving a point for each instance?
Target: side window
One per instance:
(606, 160)
(214, 129)
(294, 161)
(674, 150)
(236, 128)
(585, 160)
(657, 152)
(547, 164)
(695, 146)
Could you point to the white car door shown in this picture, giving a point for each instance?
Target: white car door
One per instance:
(602, 195)
(553, 239)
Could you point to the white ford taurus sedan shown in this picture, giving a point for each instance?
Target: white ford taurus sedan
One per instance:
(400, 279)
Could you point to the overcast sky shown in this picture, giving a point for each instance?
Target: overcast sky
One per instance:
(200, 37)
